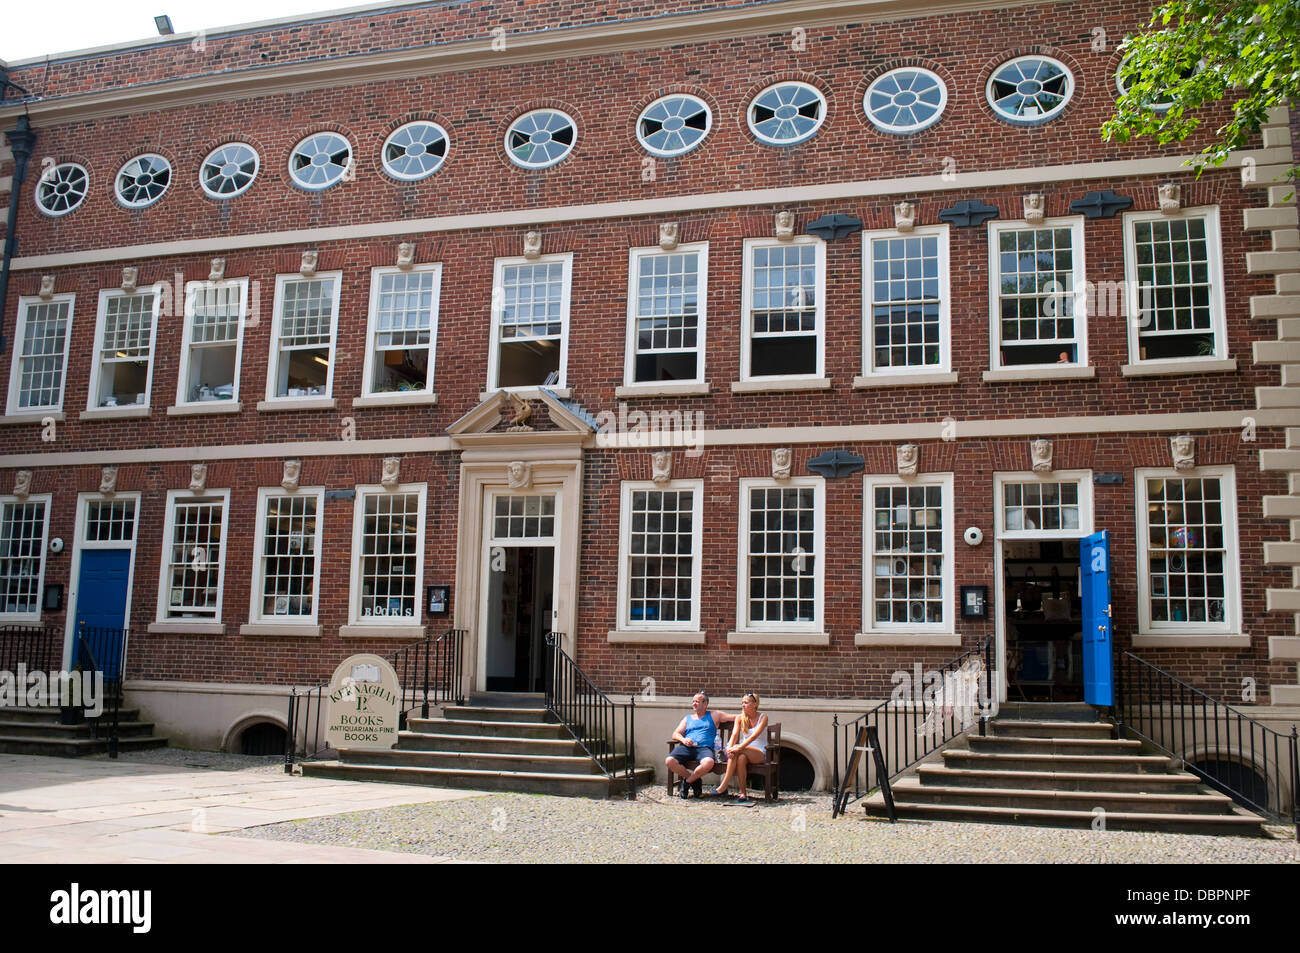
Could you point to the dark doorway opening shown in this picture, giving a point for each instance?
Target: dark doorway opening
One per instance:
(264, 738)
(521, 592)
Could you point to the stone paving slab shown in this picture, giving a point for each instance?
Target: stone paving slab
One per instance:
(60, 811)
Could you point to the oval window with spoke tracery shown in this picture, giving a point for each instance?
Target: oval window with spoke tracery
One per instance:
(1030, 89)
(229, 170)
(143, 180)
(787, 113)
(320, 161)
(673, 125)
(62, 188)
(415, 150)
(905, 100)
(541, 138)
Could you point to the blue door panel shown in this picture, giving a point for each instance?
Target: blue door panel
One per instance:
(101, 603)
(1094, 560)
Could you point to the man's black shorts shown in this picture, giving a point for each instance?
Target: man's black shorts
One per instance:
(698, 753)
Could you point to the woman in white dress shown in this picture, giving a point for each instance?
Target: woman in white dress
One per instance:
(748, 744)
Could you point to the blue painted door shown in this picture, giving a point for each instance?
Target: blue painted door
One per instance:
(101, 605)
(1094, 568)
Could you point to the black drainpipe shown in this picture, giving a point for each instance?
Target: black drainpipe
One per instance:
(22, 140)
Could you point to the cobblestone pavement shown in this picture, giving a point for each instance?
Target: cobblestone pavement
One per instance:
(522, 828)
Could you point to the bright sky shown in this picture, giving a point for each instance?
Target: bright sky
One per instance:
(29, 30)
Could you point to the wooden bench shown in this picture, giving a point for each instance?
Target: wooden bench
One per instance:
(769, 769)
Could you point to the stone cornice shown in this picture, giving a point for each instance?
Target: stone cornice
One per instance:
(350, 70)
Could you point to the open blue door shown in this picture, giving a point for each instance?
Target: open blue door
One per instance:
(1094, 569)
(101, 605)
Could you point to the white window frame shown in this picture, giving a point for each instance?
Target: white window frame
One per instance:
(498, 305)
(1218, 309)
(944, 366)
(818, 623)
(264, 496)
(358, 528)
(187, 340)
(948, 598)
(625, 620)
(635, 256)
(747, 303)
(376, 275)
(1081, 477)
(20, 337)
(1077, 297)
(273, 360)
(164, 576)
(1232, 615)
(15, 618)
(96, 366)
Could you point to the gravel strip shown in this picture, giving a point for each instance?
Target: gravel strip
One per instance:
(529, 829)
(187, 758)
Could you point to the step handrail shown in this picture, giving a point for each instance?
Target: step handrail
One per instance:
(910, 729)
(106, 638)
(591, 716)
(1150, 701)
(429, 671)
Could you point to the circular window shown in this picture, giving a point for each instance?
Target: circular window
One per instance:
(1162, 100)
(320, 161)
(673, 125)
(787, 113)
(143, 180)
(1030, 89)
(62, 188)
(228, 170)
(415, 151)
(905, 100)
(540, 138)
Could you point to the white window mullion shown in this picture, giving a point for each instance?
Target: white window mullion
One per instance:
(194, 556)
(782, 544)
(286, 572)
(667, 294)
(908, 544)
(402, 330)
(530, 322)
(783, 309)
(906, 302)
(659, 556)
(304, 336)
(41, 340)
(24, 527)
(388, 555)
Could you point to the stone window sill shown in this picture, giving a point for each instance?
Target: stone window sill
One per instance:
(1225, 640)
(633, 637)
(116, 413)
(396, 399)
(186, 627)
(366, 631)
(771, 639)
(936, 639)
(298, 403)
(205, 407)
(662, 389)
(780, 385)
(15, 420)
(1188, 367)
(1063, 372)
(284, 628)
(904, 380)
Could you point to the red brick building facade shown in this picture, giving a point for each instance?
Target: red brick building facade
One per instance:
(794, 340)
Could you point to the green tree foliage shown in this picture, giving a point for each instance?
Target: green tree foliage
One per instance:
(1195, 53)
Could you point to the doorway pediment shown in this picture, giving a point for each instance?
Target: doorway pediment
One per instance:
(535, 417)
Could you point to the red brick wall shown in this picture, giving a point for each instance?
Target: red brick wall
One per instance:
(605, 95)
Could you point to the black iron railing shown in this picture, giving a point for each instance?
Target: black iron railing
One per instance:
(35, 647)
(947, 702)
(97, 651)
(605, 729)
(102, 651)
(428, 673)
(1191, 726)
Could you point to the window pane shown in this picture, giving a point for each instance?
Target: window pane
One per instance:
(40, 373)
(782, 562)
(289, 556)
(661, 587)
(194, 559)
(389, 554)
(22, 546)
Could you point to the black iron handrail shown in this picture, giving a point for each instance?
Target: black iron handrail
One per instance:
(102, 650)
(1186, 723)
(910, 728)
(36, 647)
(591, 716)
(428, 673)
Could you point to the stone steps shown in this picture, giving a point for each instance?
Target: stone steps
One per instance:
(496, 742)
(41, 731)
(1060, 766)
